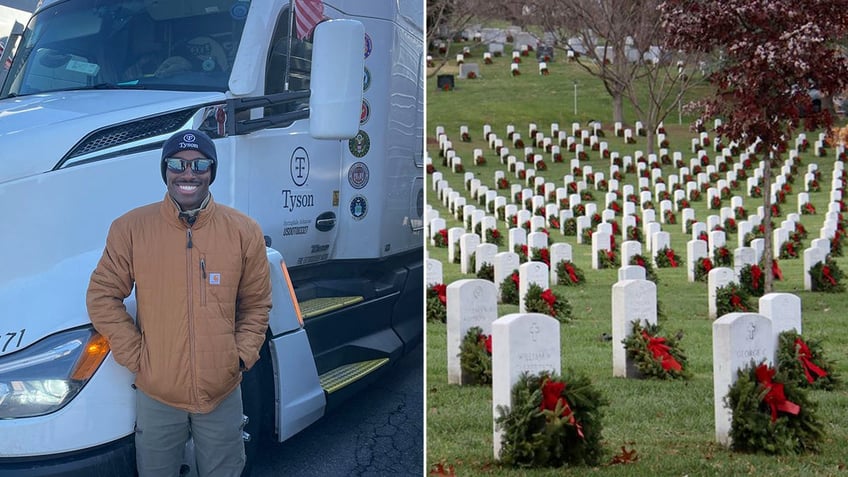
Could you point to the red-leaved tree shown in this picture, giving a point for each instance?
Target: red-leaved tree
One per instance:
(771, 53)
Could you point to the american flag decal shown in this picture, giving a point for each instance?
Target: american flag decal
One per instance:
(307, 14)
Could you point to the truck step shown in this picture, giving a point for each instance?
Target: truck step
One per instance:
(319, 306)
(342, 376)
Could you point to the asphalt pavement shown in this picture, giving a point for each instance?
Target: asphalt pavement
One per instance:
(379, 432)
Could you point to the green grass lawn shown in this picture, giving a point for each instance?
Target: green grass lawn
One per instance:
(668, 423)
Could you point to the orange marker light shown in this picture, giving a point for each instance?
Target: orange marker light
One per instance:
(95, 352)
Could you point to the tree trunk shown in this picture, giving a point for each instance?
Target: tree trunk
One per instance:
(617, 108)
(768, 254)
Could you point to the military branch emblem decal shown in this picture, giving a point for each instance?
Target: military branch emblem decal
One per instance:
(358, 207)
(360, 144)
(358, 175)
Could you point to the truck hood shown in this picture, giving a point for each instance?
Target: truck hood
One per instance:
(36, 131)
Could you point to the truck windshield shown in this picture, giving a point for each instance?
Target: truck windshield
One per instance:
(103, 44)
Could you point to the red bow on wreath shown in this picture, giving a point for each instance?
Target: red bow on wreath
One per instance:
(551, 396)
(571, 274)
(805, 356)
(487, 342)
(515, 279)
(775, 398)
(670, 255)
(756, 274)
(826, 274)
(657, 347)
(441, 290)
(707, 264)
(736, 301)
(775, 270)
(550, 299)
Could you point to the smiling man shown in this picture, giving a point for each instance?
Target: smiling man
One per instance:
(203, 293)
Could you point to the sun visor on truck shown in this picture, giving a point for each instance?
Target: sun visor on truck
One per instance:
(168, 10)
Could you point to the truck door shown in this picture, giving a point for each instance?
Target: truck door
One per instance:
(294, 180)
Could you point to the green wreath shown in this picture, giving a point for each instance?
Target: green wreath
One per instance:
(770, 414)
(569, 274)
(494, 236)
(752, 279)
(486, 272)
(826, 276)
(509, 289)
(436, 303)
(570, 226)
(722, 256)
(547, 302)
(607, 259)
(804, 363)
(702, 269)
(650, 273)
(732, 298)
(441, 238)
(553, 421)
(665, 258)
(655, 356)
(475, 357)
(634, 233)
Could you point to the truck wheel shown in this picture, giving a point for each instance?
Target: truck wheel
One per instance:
(251, 391)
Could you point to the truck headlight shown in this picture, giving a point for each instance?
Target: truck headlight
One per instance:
(45, 376)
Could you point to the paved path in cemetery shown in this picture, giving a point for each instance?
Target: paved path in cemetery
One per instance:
(377, 432)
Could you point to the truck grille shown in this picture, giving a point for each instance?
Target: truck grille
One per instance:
(128, 132)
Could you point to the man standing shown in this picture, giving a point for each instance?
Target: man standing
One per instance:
(202, 286)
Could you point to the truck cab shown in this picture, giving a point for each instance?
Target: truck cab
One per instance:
(320, 139)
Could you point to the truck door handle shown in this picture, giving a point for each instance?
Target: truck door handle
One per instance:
(325, 221)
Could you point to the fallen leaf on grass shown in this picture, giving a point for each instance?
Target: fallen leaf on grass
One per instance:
(440, 470)
(625, 457)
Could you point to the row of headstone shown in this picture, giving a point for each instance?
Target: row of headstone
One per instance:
(813, 254)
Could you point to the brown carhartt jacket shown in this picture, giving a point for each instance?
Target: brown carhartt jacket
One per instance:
(203, 295)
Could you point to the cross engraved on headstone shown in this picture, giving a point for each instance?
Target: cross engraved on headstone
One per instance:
(534, 331)
(752, 330)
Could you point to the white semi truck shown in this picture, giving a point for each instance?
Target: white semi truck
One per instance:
(320, 139)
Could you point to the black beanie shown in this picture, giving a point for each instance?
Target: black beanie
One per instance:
(190, 140)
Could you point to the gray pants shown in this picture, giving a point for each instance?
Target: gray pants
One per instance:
(161, 432)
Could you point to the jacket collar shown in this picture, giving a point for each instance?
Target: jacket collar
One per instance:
(171, 211)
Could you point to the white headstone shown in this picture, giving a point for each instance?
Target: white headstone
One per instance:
(505, 264)
(784, 311)
(559, 251)
(630, 248)
(812, 256)
(467, 245)
(470, 302)
(631, 272)
(695, 251)
(453, 238)
(600, 241)
(738, 340)
(485, 253)
(434, 272)
(516, 236)
(717, 278)
(632, 300)
(742, 257)
(530, 273)
(659, 241)
(521, 342)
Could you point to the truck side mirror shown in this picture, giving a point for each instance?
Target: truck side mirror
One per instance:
(338, 65)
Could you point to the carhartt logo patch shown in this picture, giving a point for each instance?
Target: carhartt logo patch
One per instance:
(214, 278)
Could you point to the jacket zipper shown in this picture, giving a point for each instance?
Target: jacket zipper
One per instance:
(190, 300)
(203, 283)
